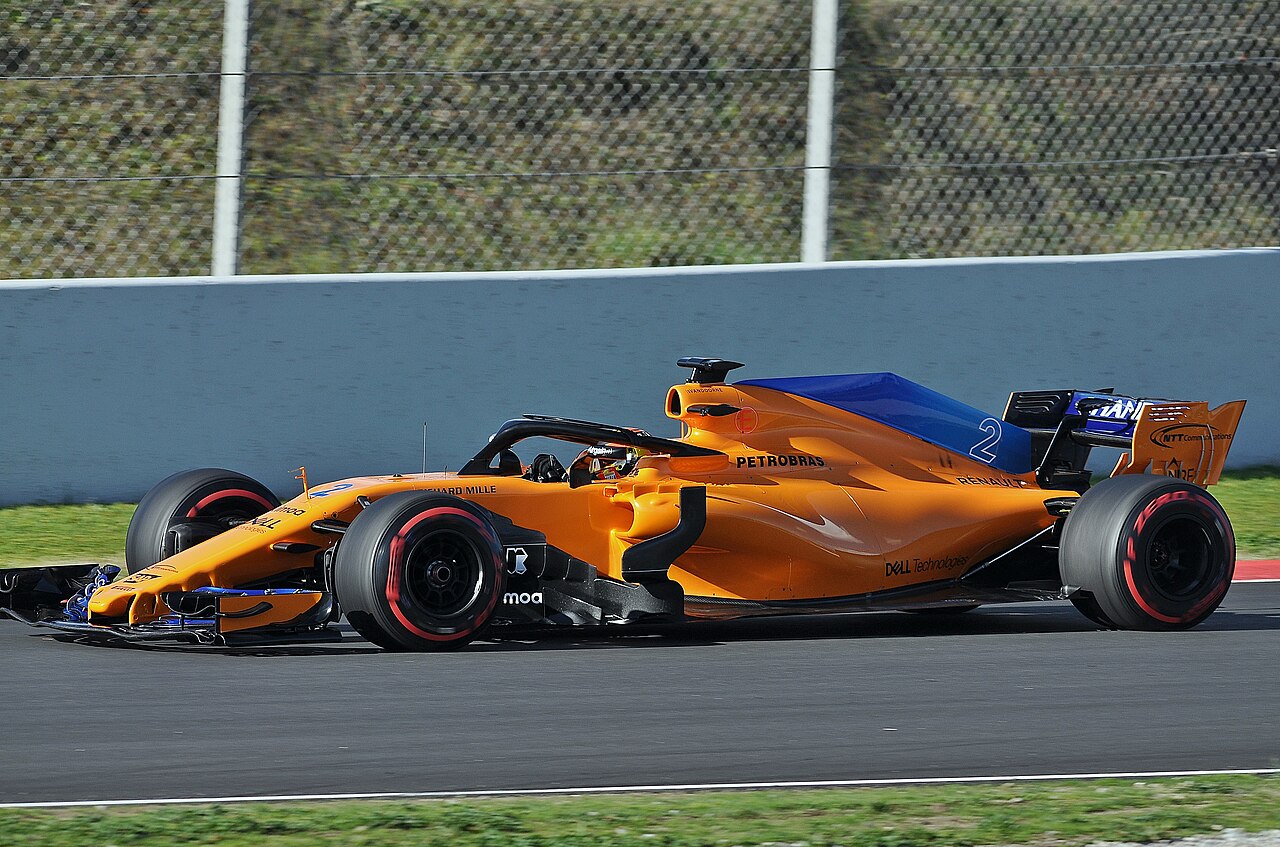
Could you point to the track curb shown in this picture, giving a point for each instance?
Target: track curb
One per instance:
(1266, 570)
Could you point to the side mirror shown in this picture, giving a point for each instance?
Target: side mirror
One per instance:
(508, 464)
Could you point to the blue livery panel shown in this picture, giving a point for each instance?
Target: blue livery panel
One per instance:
(1107, 414)
(911, 408)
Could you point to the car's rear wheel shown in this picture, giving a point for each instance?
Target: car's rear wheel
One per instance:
(1152, 552)
(419, 572)
(190, 507)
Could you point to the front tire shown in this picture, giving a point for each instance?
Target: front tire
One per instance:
(215, 498)
(419, 572)
(1154, 552)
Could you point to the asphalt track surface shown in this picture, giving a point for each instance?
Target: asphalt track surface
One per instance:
(1022, 689)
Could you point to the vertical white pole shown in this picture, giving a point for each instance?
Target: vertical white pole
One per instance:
(817, 154)
(226, 203)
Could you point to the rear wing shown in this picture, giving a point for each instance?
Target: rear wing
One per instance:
(1182, 439)
(1185, 440)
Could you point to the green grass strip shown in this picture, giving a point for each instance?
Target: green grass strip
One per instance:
(38, 535)
(1252, 501)
(95, 533)
(1061, 814)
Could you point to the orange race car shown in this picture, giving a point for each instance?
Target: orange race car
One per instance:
(781, 496)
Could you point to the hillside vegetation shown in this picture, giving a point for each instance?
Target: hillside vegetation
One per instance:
(394, 135)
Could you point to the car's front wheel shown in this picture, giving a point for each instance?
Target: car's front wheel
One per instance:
(1151, 551)
(189, 507)
(419, 572)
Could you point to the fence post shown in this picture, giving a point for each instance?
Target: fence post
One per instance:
(226, 202)
(817, 153)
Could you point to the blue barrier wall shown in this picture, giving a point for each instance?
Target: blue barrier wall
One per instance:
(110, 385)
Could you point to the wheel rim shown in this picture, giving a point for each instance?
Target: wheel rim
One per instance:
(443, 574)
(1180, 558)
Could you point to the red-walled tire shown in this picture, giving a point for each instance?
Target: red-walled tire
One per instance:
(1154, 552)
(215, 496)
(419, 572)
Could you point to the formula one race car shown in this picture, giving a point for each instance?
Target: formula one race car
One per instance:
(782, 496)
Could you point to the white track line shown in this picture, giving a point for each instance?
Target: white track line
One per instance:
(631, 789)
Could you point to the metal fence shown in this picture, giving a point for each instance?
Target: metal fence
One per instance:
(1064, 126)
(108, 119)
(395, 135)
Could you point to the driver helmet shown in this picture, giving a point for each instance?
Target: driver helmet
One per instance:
(607, 462)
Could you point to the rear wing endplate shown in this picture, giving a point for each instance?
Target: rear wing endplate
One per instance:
(1184, 440)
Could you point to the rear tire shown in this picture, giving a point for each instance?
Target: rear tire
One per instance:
(1155, 553)
(214, 495)
(419, 572)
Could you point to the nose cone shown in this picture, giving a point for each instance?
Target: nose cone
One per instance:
(112, 603)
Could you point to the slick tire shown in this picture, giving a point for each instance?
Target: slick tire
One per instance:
(217, 498)
(419, 572)
(1152, 552)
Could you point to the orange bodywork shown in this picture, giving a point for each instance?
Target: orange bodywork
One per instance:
(808, 501)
